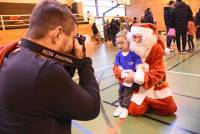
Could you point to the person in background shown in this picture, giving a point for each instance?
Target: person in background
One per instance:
(191, 33)
(148, 16)
(96, 34)
(142, 19)
(88, 16)
(126, 62)
(135, 20)
(182, 13)
(38, 94)
(107, 31)
(114, 29)
(168, 18)
(197, 23)
(124, 24)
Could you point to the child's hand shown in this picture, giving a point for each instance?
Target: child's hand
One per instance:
(142, 67)
(125, 73)
(130, 77)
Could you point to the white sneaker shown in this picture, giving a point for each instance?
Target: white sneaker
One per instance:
(117, 111)
(124, 113)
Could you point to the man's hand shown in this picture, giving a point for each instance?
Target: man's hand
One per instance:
(89, 46)
(78, 49)
(130, 77)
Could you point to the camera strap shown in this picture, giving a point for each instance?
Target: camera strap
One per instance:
(49, 53)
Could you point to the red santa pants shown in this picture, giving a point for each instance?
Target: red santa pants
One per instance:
(164, 106)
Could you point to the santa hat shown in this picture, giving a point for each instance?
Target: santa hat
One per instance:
(148, 28)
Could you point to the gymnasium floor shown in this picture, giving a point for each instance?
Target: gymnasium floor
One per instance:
(183, 73)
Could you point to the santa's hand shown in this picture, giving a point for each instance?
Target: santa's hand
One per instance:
(129, 78)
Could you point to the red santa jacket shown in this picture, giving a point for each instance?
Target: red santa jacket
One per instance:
(153, 82)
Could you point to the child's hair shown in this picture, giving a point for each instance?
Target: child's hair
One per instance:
(122, 33)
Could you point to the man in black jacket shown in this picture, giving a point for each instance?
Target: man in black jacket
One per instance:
(148, 16)
(197, 23)
(181, 15)
(168, 16)
(37, 94)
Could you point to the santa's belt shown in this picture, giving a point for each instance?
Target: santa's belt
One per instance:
(159, 83)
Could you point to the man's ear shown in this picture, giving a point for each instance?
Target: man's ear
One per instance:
(56, 33)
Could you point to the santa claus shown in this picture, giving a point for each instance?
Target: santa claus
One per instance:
(154, 91)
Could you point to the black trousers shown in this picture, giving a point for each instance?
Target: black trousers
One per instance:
(198, 33)
(180, 35)
(125, 94)
(190, 41)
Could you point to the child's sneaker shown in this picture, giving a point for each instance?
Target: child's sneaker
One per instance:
(124, 113)
(118, 111)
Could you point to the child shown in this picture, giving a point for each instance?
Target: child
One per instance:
(190, 33)
(126, 62)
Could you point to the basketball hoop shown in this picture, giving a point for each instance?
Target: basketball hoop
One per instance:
(124, 2)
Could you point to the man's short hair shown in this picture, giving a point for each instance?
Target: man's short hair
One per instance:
(49, 14)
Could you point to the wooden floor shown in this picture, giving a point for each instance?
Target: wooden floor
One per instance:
(183, 75)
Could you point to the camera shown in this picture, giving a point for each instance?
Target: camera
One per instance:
(81, 39)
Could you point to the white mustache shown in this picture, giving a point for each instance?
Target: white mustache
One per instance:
(139, 48)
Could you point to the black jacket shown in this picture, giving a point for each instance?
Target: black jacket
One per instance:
(197, 19)
(181, 15)
(148, 18)
(168, 16)
(38, 96)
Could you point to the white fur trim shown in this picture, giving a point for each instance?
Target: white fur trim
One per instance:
(166, 51)
(139, 97)
(129, 36)
(141, 30)
(156, 94)
(139, 77)
(120, 67)
(127, 84)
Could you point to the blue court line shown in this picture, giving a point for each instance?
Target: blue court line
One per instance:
(84, 130)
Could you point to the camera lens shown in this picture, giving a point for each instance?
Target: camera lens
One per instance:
(81, 39)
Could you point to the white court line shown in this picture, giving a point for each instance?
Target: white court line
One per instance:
(103, 56)
(184, 73)
(109, 66)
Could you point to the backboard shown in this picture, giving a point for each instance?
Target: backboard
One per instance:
(124, 2)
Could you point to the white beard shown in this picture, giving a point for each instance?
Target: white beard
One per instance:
(142, 49)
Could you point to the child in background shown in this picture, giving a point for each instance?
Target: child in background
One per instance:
(126, 62)
(190, 33)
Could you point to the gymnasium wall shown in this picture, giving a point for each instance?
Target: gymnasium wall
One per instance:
(21, 6)
(32, 1)
(138, 7)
